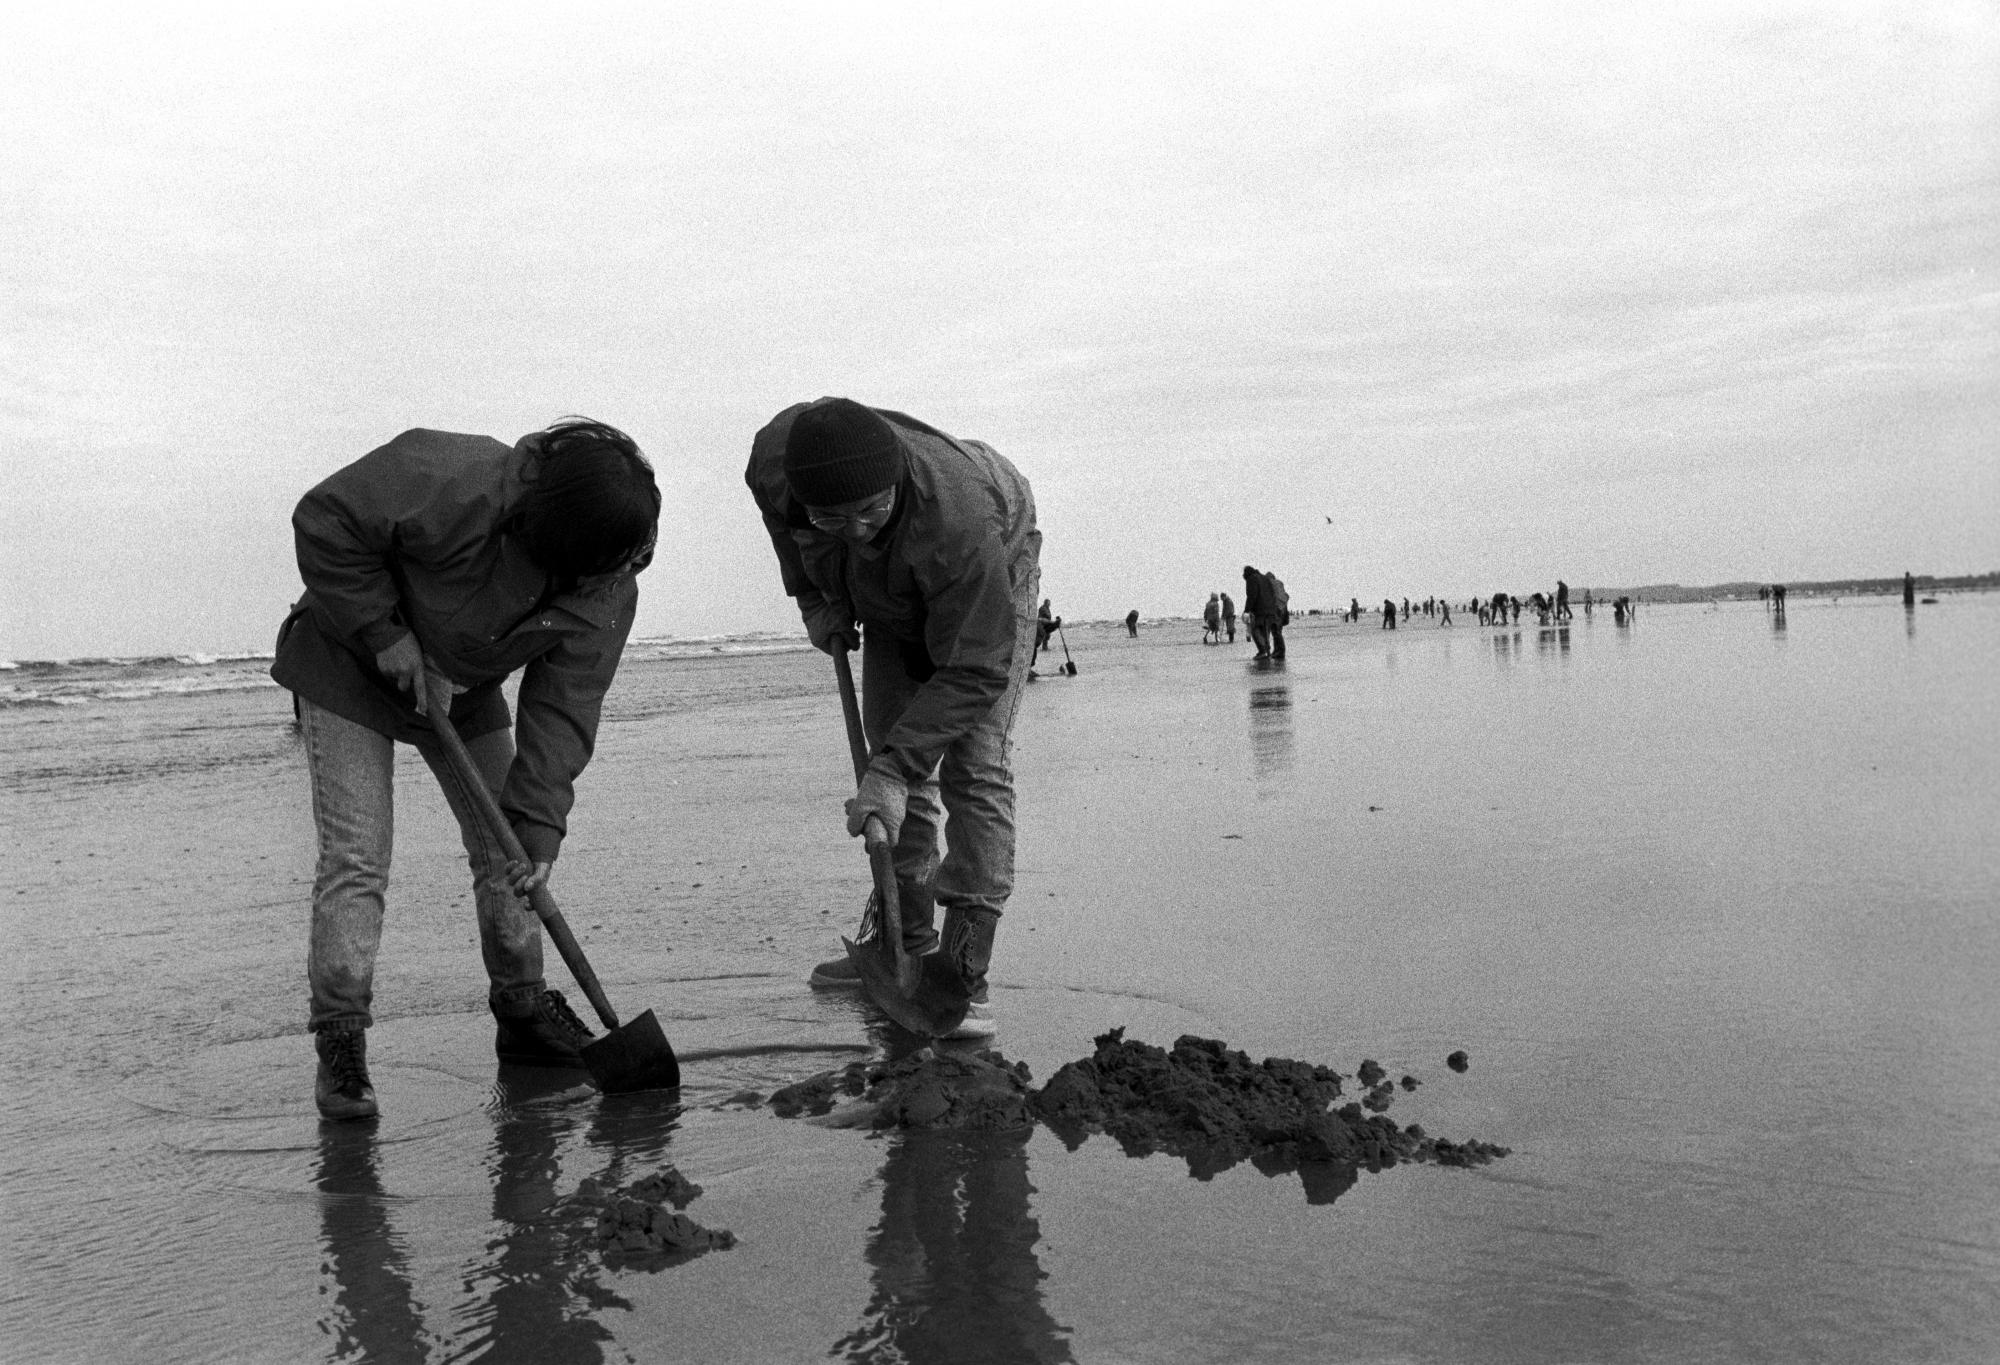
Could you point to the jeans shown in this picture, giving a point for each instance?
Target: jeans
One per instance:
(970, 798)
(353, 792)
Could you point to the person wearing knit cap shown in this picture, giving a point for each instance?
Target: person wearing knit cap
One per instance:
(921, 550)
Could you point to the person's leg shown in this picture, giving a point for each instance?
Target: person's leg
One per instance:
(534, 1026)
(351, 770)
(510, 933)
(977, 781)
(1277, 638)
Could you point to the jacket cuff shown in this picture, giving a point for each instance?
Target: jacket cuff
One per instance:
(540, 842)
(377, 636)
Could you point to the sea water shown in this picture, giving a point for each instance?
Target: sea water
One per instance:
(1709, 901)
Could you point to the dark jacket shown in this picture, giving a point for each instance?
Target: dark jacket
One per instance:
(948, 579)
(1257, 599)
(413, 537)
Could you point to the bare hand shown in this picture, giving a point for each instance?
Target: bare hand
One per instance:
(403, 664)
(526, 877)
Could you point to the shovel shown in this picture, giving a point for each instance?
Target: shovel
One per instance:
(1069, 664)
(920, 993)
(632, 1056)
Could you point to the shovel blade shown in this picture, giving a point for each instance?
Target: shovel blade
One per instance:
(633, 1056)
(931, 1007)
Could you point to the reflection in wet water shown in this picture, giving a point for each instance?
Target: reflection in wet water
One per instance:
(954, 1276)
(1552, 640)
(1271, 740)
(371, 1312)
(529, 1294)
(536, 1296)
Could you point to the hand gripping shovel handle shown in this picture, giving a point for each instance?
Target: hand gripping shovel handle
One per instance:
(496, 821)
(881, 856)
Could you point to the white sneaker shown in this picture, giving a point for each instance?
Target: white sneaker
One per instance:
(977, 1024)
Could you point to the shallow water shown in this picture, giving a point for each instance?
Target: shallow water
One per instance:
(1711, 904)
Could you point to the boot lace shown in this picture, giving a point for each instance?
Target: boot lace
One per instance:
(344, 1059)
(556, 1010)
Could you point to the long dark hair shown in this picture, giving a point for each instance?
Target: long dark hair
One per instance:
(592, 502)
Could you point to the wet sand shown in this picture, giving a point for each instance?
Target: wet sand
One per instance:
(1723, 974)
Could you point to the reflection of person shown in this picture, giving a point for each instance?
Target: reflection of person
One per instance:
(531, 1310)
(371, 1312)
(930, 543)
(953, 1259)
(469, 560)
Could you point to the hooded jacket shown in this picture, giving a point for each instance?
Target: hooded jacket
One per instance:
(414, 536)
(949, 579)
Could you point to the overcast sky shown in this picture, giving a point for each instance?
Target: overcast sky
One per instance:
(1395, 299)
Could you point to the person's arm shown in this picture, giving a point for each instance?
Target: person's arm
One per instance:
(970, 630)
(828, 622)
(555, 730)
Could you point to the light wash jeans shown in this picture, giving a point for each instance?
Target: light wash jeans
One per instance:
(970, 798)
(353, 792)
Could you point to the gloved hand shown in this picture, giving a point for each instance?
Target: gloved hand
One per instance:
(828, 627)
(882, 794)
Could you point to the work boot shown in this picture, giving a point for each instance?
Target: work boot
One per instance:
(541, 1032)
(918, 902)
(968, 948)
(343, 1089)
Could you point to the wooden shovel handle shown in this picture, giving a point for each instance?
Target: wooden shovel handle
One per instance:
(439, 707)
(881, 855)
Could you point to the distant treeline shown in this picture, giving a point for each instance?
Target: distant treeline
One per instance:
(1838, 587)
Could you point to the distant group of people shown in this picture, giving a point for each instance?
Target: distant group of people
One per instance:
(1218, 618)
(1267, 611)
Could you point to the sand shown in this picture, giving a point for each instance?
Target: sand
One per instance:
(1667, 938)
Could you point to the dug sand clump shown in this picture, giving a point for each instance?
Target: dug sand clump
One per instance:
(641, 1224)
(929, 1089)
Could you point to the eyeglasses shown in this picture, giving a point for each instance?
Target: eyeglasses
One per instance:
(869, 515)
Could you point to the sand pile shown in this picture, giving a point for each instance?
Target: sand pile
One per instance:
(1215, 1107)
(1199, 1100)
(635, 1226)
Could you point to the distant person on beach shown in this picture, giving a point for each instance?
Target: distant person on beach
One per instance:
(1563, 612)
(1229, 618)
(1132, 623)
(1264, 613)
(1353, 609)
(929, 543)
(1388, 613)
(1444, 606)
(1211, 621)
(1046, 622)
(467, 561)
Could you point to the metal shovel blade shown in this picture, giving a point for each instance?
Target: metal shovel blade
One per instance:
(933, 1008)
(633, 1056)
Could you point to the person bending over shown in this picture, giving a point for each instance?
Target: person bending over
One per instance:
(462, 560)
(929, 544)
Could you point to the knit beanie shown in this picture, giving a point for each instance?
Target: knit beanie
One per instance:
(839, 452)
